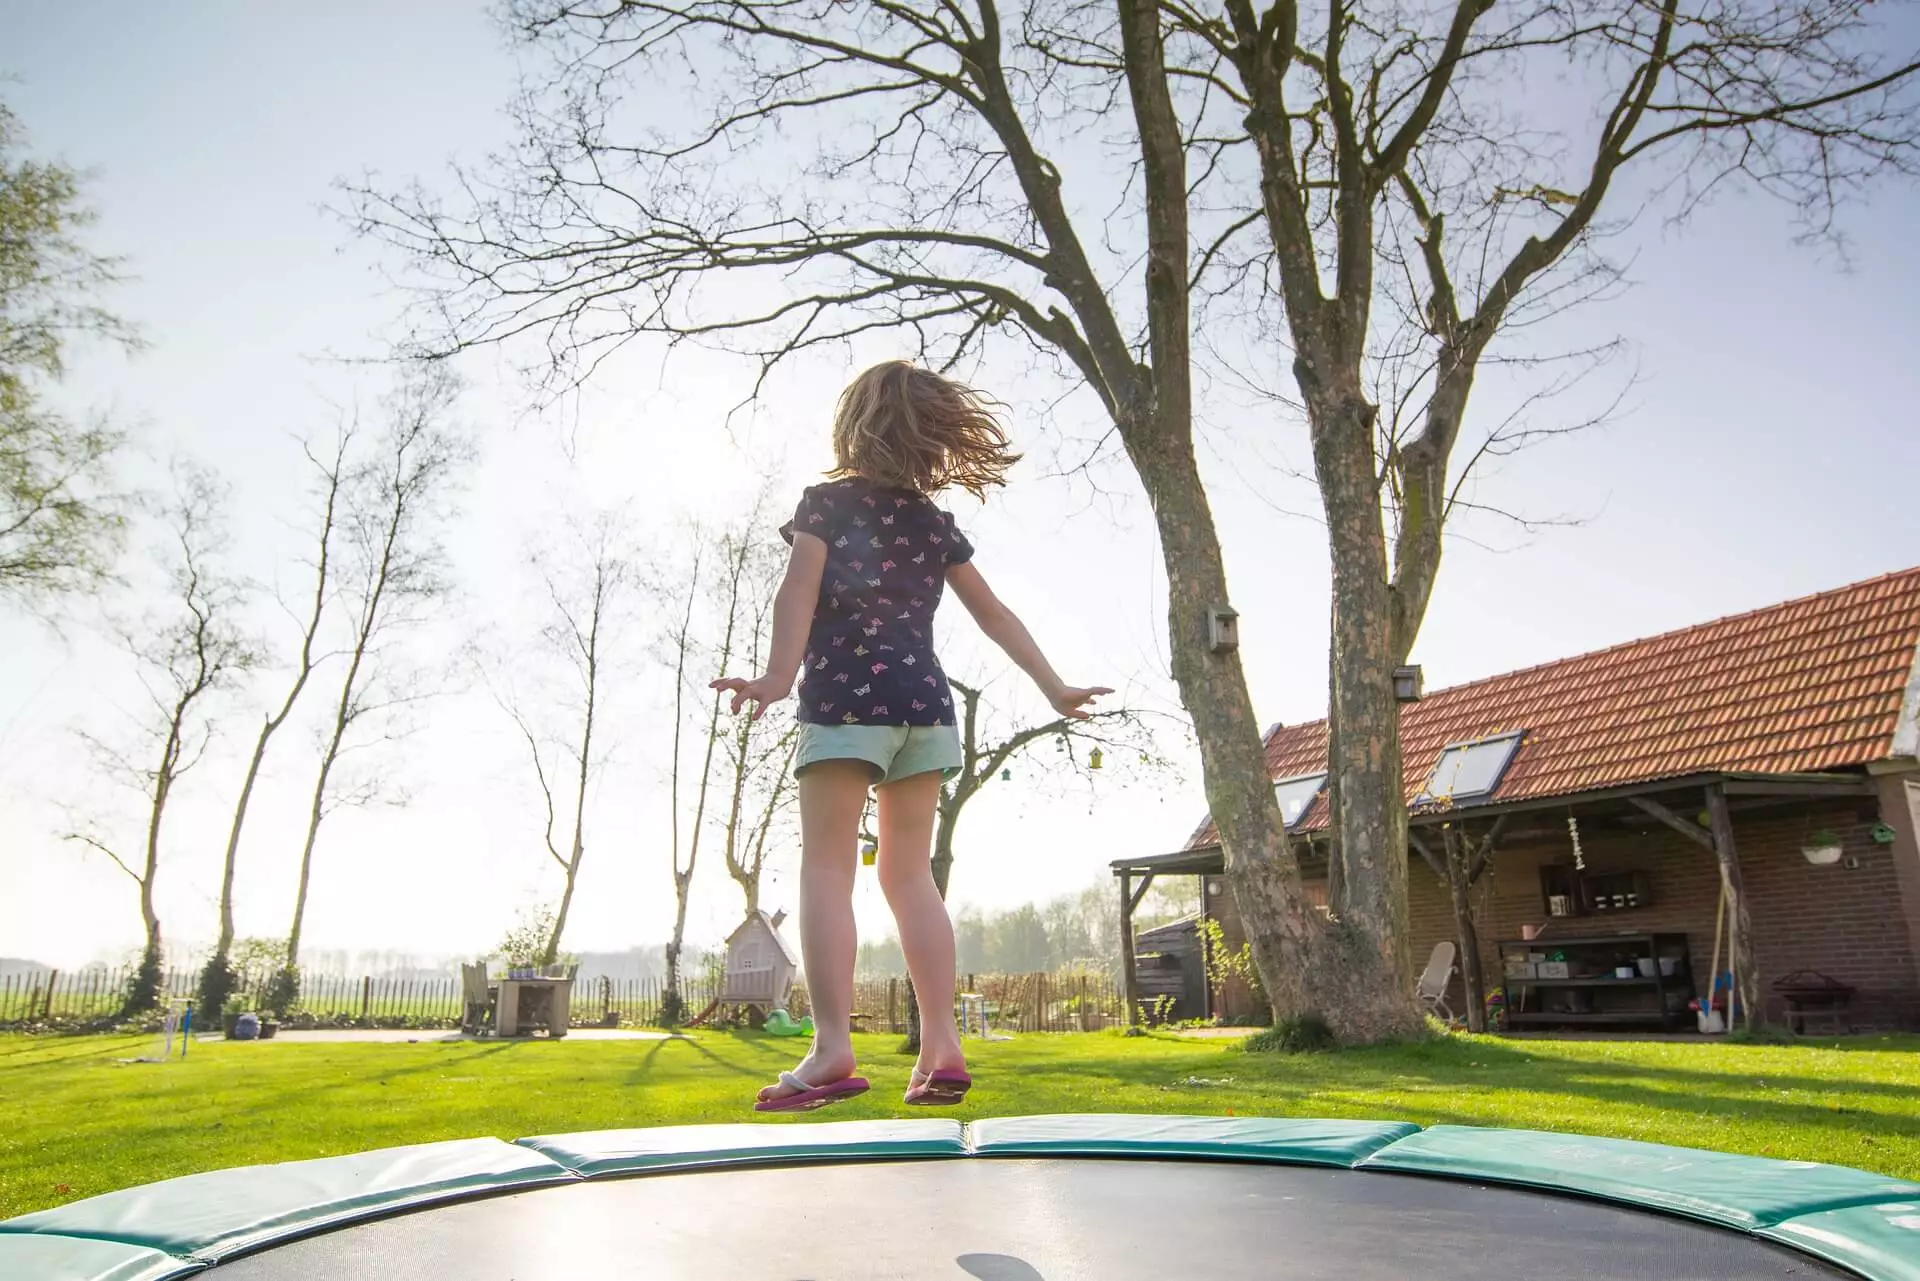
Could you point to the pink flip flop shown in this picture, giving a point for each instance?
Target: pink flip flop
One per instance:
(941, 1089)
(808, 1097)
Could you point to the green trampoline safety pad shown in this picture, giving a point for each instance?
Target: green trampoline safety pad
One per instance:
(1744, 1192)
(688, 1147)
(1222, 1138)
(57, 1258)
(1879, 1241)
(205, 1217)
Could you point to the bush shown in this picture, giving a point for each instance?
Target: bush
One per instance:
(1304, 1034)
(143, 987)
(215, 989)
(283, 990)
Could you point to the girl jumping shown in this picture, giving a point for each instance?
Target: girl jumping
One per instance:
(854, 620)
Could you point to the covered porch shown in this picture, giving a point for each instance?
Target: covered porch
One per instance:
(1573, 878)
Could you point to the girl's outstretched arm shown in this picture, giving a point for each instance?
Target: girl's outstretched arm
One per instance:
(793, 607)
(1006, 630)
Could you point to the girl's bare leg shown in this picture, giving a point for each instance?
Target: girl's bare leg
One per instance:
(832, 796)
(906, 811)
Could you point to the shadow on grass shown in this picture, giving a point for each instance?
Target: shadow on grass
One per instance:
(105, 1049)
(761, 1048)
(1736, 1077)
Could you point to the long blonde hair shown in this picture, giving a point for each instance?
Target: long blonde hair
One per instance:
(904, 426)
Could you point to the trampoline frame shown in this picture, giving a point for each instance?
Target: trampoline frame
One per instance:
(1866, 1223)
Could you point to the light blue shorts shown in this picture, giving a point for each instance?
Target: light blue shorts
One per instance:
(894, 751)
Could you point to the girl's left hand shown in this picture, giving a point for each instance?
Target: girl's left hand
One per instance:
(760, 691)
(1070, 702)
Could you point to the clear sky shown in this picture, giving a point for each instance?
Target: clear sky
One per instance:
(1769, 450)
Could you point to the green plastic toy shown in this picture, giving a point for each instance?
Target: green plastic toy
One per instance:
(781, 1023)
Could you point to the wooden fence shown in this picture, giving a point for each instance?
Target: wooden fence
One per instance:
(1015, 1002)
(1067, 1002)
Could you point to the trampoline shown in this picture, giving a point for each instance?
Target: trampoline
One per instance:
(1049, 1198)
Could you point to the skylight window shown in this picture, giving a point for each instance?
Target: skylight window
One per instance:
(1296, 795)
(1468, 772)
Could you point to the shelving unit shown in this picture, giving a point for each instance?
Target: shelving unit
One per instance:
(1566, 891)
(1589, 991)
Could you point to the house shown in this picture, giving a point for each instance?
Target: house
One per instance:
(760, 965)
(1624, 797)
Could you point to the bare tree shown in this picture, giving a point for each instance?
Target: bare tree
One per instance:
(759, 751)
(987, 756)
(760, 757)
(704, 605)
(1277, 156)
(1459, 864)
(587, 595)
(218, 974)
(186, 655)
(393, 578)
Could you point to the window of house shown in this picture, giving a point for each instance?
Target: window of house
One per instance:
(1469, 772)
(1296, 795)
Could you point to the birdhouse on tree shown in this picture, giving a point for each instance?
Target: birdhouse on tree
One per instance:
(760, 966)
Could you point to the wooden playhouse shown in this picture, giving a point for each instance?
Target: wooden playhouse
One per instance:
(760, 968)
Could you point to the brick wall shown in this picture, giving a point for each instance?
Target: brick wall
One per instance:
(1847, 922)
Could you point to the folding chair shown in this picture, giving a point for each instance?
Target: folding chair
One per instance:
(477, 1018)
(1435, 980)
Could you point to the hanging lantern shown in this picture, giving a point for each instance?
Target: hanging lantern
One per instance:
(1094, 758)
(1006, 776)
(869, 850)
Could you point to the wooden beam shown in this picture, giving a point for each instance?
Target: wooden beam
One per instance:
(1129, 978)
(1413, 839)
(1146, 883)
(1740, 946)
(1689, 830)
(1811, 787)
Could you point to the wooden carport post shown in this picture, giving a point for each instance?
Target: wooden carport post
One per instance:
(1720, 842)
(1129, 979)
(1740, 945)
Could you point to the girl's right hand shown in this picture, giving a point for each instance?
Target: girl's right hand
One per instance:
(1071, 702)
(760, 691)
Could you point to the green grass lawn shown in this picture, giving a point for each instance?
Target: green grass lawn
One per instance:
(75, 1121)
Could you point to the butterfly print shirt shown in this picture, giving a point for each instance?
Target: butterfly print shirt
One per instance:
(870, 657)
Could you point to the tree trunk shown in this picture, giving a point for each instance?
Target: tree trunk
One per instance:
(551, 952)
(224, 944)
(1472, 972)
(674, 1003)
(314, 814)
(1370, 812)
(144, 994)
(1300, 964)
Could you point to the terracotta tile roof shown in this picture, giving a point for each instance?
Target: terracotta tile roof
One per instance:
(1812, 684)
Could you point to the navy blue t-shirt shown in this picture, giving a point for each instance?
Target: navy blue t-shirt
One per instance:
(870, 658)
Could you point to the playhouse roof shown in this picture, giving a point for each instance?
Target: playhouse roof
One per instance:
(772, 929)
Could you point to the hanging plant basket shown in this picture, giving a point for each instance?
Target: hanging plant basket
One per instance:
(1822, 849)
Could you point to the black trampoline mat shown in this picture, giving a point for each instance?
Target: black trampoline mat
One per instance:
(1026, 1220)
